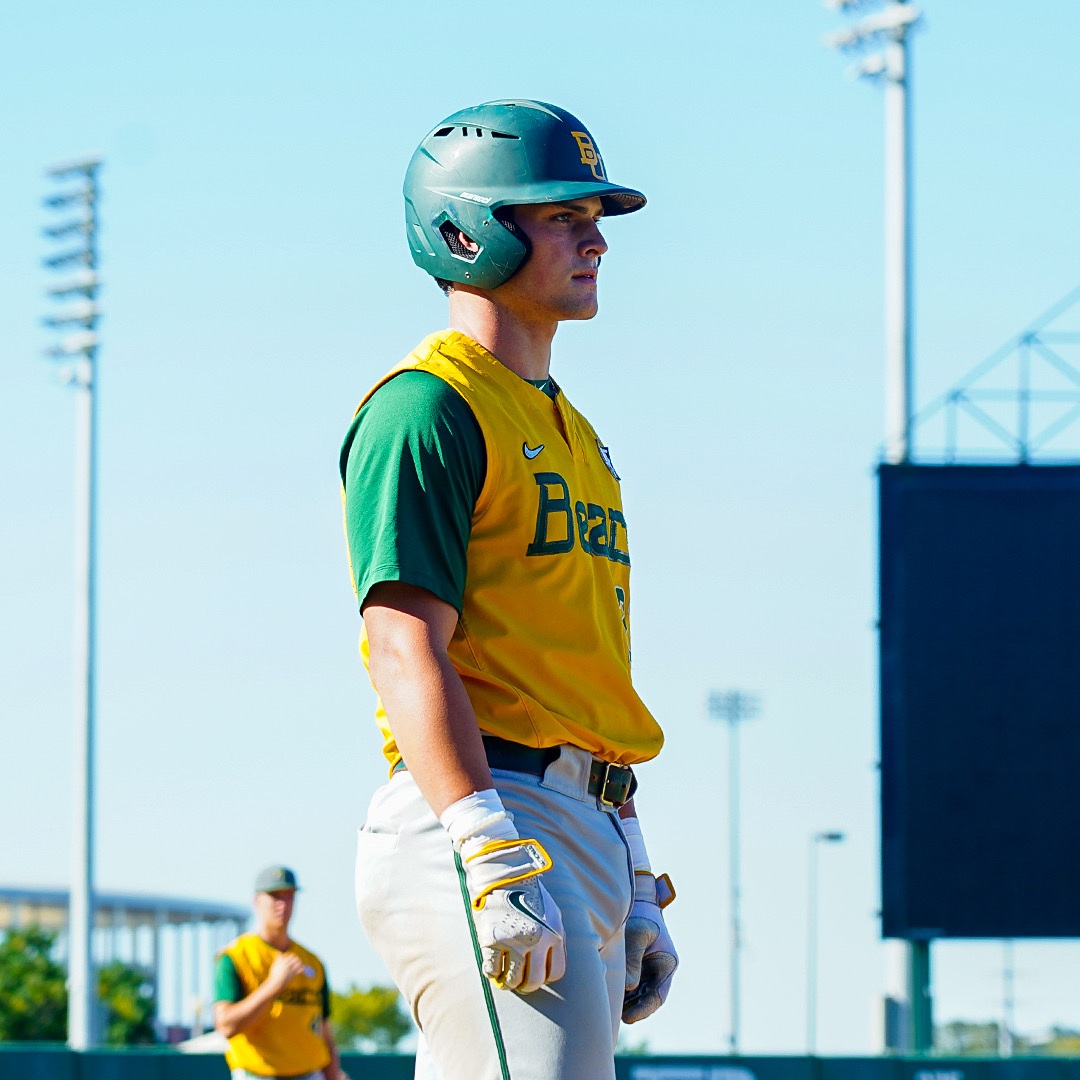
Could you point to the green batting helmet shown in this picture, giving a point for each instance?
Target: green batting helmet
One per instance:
(502, 153)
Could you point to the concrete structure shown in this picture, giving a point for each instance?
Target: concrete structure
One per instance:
(173, 939)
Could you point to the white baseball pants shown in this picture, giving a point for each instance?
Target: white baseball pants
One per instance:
(411, 906)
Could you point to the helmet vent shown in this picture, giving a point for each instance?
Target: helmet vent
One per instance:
(453, 242)
(444, 131)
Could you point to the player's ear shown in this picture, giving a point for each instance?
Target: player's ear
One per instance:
(460, 243)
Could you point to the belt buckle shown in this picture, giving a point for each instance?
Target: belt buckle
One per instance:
(606, 779)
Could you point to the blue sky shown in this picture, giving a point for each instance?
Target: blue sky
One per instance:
(257, 283)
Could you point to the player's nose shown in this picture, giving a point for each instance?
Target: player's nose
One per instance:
(593, 244)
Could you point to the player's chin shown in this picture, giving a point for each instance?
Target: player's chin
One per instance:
(579, 307)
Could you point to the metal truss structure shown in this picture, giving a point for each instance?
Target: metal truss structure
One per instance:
(1020, 402)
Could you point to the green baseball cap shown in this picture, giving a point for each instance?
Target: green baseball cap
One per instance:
(276, 879)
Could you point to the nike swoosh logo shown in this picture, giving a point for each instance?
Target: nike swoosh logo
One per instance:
(529, 452)
(516, 901)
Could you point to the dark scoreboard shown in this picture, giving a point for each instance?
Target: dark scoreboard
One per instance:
(980, 700)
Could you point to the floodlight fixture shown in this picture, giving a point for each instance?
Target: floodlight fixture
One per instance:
(895, 19)
(83, 281)
(69, 198)
(86, 165)
(869, 67)
(69, 228)
(68, 258)
(81, 313)
(73, 344)
(733, 706)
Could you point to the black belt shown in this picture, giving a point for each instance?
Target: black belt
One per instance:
(612, 784)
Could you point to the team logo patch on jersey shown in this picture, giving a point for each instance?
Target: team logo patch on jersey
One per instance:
(589, 156)
(529, 451)
(605, 453)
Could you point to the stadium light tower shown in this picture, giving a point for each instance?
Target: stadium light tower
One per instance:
(816, 838)
(890, 27)
(734, 707)
(77, 348)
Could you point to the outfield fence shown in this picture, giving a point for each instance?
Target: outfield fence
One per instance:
(30, 1061)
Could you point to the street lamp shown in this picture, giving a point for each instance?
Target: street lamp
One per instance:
(77, 348)
(734, 707)
(811, 937)
(890, 27)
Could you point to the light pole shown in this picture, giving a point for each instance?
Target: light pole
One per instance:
(812, 935)
(890, 27)
(734, 707)
(78, 347)
(1008, 1012)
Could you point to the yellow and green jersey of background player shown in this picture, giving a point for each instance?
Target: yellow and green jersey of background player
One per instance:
(287, 1040)
(497, 496)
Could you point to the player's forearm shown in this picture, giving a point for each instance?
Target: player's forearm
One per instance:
(435, 729)
(231, 1018)
(426, 705)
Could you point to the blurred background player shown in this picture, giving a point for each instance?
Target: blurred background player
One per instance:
(501, 872)
(272, 1000)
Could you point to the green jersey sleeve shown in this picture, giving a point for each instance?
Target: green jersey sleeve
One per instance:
(227, 986)
(412, 466)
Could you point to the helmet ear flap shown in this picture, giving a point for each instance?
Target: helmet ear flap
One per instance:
(505, 217)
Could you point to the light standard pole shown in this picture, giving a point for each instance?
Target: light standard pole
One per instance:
(812, 935)
(734, 707)
(1008, 1017)
(890, 27)
(79, 347)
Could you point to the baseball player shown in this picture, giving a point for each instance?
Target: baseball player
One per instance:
(501, 872)
(272, 1000)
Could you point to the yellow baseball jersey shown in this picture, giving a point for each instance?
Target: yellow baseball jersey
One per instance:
(287, 1040)
(543, 641)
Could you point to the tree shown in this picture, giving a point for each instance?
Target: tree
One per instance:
(34, 1000)
(1062, 1042)
(33, 991)
(963, 1037)
(128, 997)
(373, 1017)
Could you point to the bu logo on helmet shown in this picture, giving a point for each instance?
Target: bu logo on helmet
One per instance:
(589, 156)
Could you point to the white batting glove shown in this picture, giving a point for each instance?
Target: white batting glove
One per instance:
(651, 958)
(518, 924)
(519, 930)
